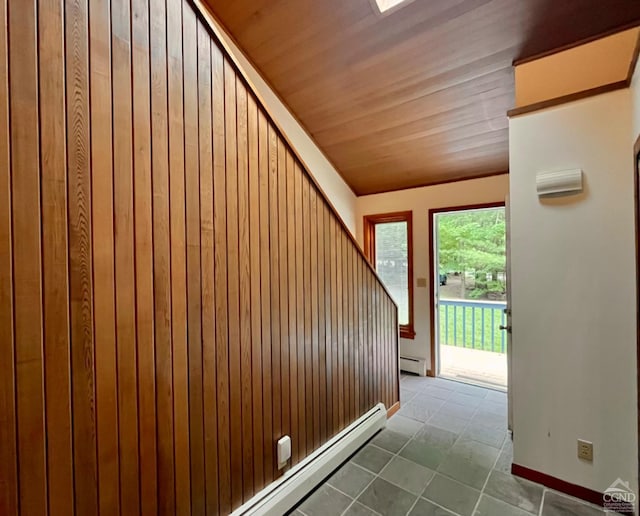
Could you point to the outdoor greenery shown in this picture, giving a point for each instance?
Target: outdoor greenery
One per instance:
(472, 244)
(457, 328)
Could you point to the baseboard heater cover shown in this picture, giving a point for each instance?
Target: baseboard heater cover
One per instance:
(413, 365)
(283, 494)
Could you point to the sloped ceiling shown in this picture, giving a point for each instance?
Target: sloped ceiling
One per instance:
(415, 97)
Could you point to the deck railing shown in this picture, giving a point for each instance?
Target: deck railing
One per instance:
(473, 324)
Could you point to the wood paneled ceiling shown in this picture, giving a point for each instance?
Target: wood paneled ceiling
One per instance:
(418, 96)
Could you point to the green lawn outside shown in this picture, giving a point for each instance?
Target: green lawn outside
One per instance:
(467, 339)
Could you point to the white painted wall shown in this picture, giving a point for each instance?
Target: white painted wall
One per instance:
(420, 201)
(339, 193)
(573, 293)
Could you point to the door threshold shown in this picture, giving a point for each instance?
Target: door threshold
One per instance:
(474, 382)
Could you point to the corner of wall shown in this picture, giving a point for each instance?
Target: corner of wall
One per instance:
(571, 328)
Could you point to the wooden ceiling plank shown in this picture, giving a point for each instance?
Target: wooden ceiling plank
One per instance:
(419, 85)
(431, 49)
(432, 137)
(414, 97)
(468, 96)
(444, 148)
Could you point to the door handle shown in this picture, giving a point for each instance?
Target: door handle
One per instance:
(508, 328)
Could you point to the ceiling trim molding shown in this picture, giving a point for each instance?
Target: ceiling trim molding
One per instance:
(634, 61)
(441, 182)
(599, 90)
(568, 46)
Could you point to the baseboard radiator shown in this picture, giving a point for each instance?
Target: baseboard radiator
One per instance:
(283, 494)
(413, 365)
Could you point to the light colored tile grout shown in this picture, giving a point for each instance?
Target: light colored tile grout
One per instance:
(339, 491)
(486, 481)
(377, 475)
(468, 421)
(544, 492)
(454, 443)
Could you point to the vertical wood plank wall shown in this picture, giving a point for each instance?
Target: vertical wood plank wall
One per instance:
(175, 292)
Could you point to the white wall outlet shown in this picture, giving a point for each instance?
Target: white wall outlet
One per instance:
(585, 450)
(284, 451)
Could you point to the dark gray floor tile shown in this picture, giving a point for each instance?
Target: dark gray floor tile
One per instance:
(447, 422)
(466, 400)
(494, 407)
(436, 436)
(426, 508)
(387, 499)
(357, 509)
(443, 383)
(484, 434)
(417, 411)
(326, 500)
(372, 458)
(555, 504)
(472, 390)
(457, 410)
(464, 471)
(504, 462)
(351, 479)
(453, 495)
(390, 440)
(424, 400)
(403, 425)
(515, 491)
(497, 396)
(406, 395)
(407, 474)
(497, 421)
(475, 452)
(437, 392)
(414, 383)
(426, 455)
(489, 506)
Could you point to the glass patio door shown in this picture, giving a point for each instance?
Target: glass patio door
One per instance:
(471, 295)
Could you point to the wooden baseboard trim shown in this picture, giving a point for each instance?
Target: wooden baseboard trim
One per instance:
(393, 409)
(584, 493)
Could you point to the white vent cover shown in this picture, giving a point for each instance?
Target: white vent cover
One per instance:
(559, 182)
(413, 365)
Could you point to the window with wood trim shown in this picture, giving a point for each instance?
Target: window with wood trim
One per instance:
(388, 244)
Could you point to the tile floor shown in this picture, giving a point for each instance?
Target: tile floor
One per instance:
(446, 452)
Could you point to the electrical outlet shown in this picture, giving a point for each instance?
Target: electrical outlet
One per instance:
(283, 451)
(585, 450)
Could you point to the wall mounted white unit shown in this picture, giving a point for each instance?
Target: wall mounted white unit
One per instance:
(413, 365)
(283, 494)
(561, 182)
